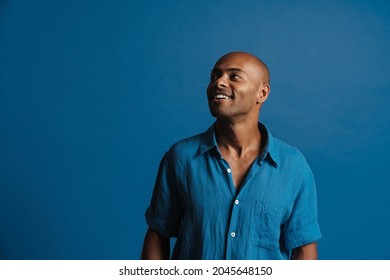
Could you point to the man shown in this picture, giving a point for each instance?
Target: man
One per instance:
(234, 191)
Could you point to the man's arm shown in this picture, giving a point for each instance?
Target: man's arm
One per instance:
(305, 252)
(156, 247)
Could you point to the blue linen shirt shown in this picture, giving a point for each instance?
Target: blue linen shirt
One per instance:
(195, 200)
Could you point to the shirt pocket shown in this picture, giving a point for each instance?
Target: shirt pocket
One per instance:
(266, 226)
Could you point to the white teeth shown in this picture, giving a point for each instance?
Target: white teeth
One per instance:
(221, 96)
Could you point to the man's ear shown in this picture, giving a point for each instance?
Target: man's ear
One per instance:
(263, 93)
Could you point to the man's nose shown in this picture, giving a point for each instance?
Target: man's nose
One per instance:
(221, 82)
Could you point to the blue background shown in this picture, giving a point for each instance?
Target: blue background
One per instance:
(92, 93)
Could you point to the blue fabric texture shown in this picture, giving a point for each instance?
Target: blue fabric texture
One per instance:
(195, 200)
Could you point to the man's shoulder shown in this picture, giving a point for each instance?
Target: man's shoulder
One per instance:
(191, 142)
(287, 148)
(288, 153)
(187, 147)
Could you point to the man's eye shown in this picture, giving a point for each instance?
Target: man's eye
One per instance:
(235, 77)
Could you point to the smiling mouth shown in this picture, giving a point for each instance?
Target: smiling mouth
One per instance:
(219, 97)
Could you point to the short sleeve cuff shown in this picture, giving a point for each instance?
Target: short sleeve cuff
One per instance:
(303, 237)
(157, 224)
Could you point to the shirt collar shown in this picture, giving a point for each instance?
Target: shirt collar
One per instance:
(208, 140)
(270, 151)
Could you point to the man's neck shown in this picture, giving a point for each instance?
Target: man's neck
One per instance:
(238, 137)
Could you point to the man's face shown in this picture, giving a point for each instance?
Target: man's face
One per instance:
(235, 87)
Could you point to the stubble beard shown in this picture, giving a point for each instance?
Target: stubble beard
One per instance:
(228, 114)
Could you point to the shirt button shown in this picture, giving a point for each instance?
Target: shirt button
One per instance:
(229, 170)
(233, 234)
(237, 201)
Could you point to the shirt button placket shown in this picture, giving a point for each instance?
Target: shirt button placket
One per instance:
(233, 234)
(231, 249)
(233, 218)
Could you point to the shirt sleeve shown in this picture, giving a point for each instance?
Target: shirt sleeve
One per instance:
(164, 212)
(302, 227)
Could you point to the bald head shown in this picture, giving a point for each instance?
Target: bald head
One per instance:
(239, 85)
(262, 71)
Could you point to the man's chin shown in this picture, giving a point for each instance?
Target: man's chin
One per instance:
(216, 113)
(219, 115)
